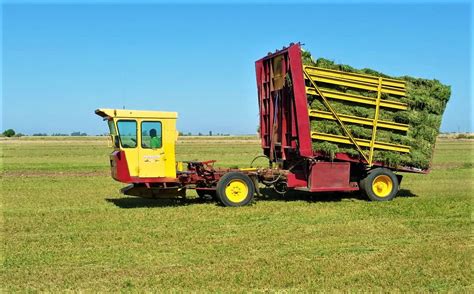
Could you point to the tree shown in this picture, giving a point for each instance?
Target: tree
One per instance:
(9, 133)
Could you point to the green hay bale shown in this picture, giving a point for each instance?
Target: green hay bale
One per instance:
(329, 127)
(387, 114)
(348, 108)
(327, 148)
(390, 158)
(361, 132)
(351, 152)
(426, 100)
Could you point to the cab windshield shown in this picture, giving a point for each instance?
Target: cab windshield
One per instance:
(127, 130)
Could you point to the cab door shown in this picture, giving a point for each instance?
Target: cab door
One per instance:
(127, 141)
(152, 156)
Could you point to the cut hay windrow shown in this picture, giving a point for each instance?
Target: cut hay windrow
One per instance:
(426, 100)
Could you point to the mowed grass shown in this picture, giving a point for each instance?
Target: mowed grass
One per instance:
(65, 226)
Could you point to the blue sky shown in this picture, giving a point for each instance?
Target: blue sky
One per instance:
(61, 62)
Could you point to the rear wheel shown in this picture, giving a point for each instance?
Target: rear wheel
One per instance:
(380, 184)
(235, 189)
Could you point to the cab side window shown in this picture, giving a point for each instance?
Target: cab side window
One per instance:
(127, 130)
(113, 133)
(151, 135)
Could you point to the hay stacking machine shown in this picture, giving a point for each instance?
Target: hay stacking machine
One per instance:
(144, 141)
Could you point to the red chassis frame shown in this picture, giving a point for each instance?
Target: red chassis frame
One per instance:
(200, 174)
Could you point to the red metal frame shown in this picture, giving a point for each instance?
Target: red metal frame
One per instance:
(284, 120)
(197, 173)
(301, 103)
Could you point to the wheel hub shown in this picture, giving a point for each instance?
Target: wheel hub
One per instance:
(382, 186)
(236, 191)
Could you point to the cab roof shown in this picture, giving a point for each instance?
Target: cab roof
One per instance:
(127, 113)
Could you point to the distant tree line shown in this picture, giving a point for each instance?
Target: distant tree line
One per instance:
(78, 134)
(73, 134)
(12, 133)
(201, 134)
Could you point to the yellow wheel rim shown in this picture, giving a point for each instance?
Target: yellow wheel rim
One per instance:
(382, 186)
(236, 191)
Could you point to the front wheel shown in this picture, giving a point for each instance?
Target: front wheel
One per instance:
(380, 184)
(235, 189)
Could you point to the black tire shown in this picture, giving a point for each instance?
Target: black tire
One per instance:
(235, 189)
(380, 184)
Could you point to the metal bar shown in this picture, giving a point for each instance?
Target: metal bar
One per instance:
(271, 114)
(360, 142)
(356, 77)
(357, 98)
(356, 84)
(376, 118)
(358, 120)
(300, 102)
(329, 107)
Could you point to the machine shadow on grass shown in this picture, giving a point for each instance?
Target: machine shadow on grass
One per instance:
(267, 194)
(138, 202)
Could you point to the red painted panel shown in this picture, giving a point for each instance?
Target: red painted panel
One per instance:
(261, 106)
(119, 167)
(331, 176)
(301, 103)
(296, 180)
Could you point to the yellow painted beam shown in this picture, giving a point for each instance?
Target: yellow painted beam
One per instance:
(357, 98)
(348, 80)
(376, 120)
(358, 85)
(360, 142)
(358, 120)
(355, 76)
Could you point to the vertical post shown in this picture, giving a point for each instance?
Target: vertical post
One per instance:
(376, 118)
(300, 102)
(336, 116)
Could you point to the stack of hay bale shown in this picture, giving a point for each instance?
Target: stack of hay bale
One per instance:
(426, 100)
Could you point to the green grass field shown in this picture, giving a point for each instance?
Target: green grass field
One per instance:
(65, 226)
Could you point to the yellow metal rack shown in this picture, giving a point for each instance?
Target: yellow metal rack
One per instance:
(369, 83)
